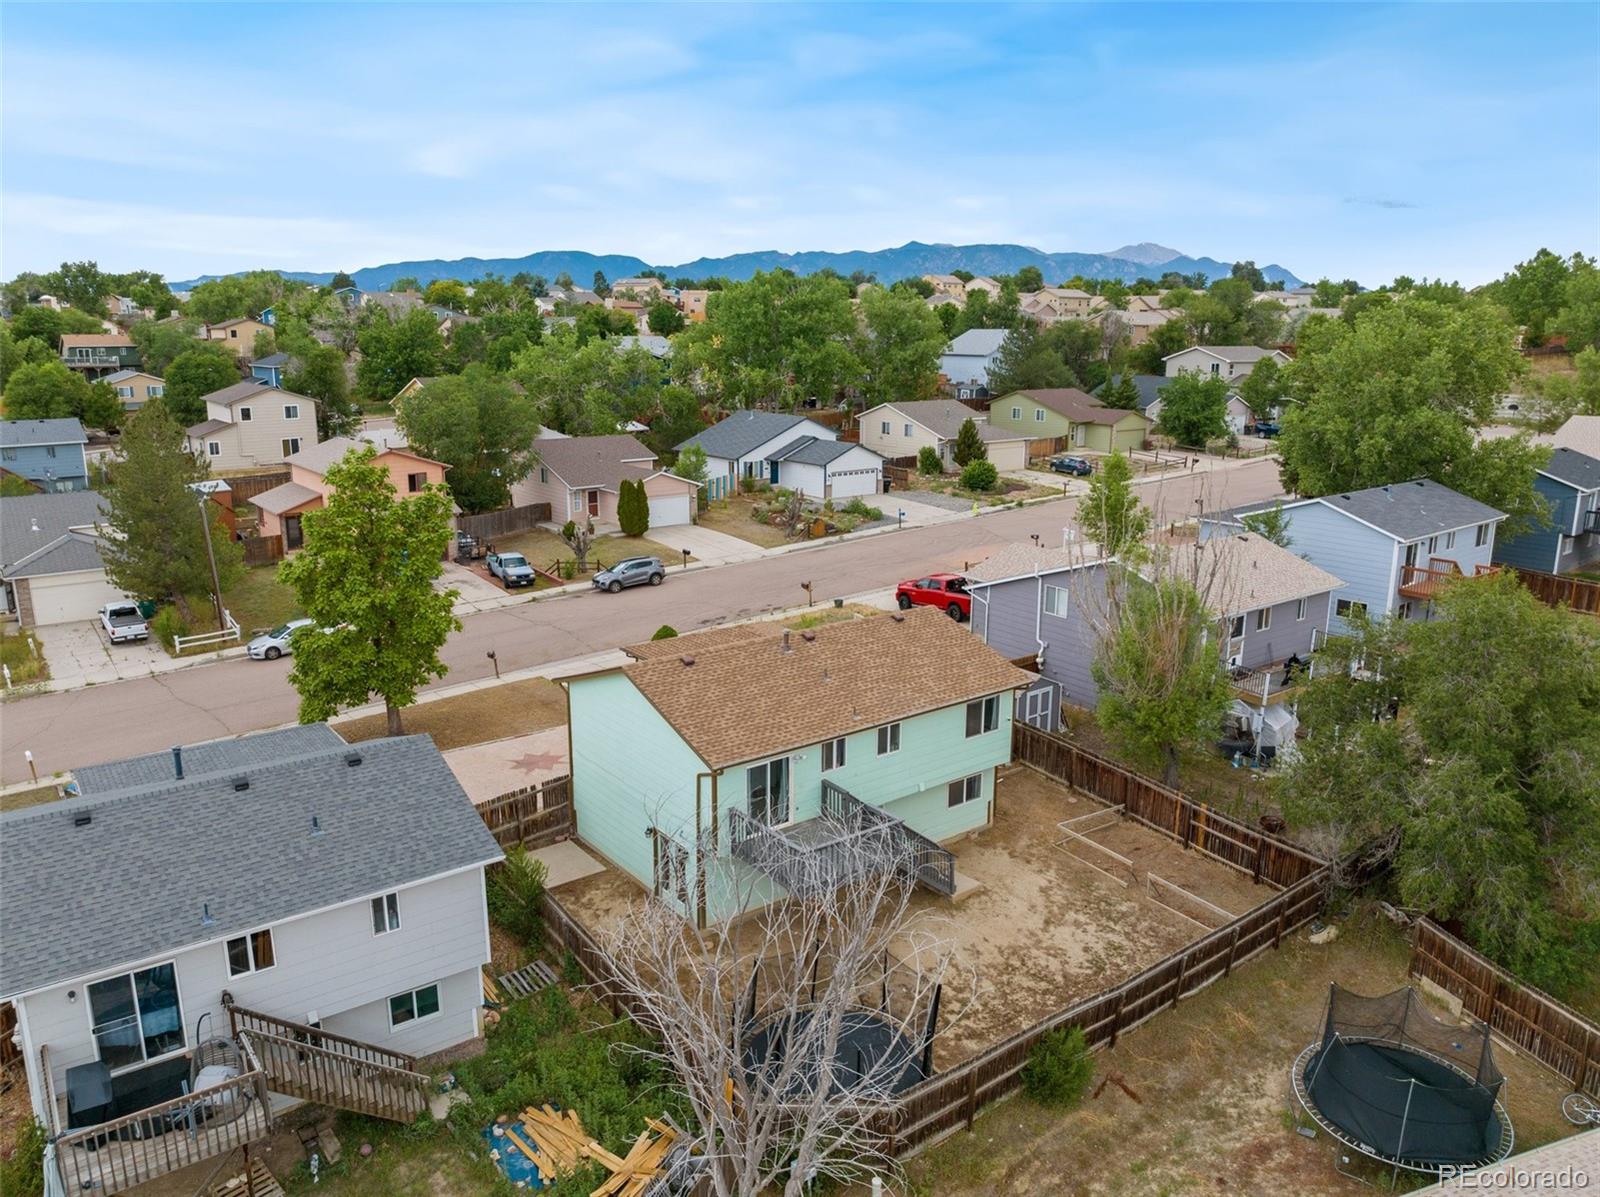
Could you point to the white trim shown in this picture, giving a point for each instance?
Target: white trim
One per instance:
(249, 943)
(415, 1017)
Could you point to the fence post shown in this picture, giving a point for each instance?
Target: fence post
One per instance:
(1255, 869)
(1183, 971)
(1233, 946)
(972, 1096)
(1277, 934)
(1116, 1017)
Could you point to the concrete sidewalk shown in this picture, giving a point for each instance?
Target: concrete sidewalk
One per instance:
(79, 654)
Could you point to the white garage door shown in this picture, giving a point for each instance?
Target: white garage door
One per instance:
(1009, 455)
(844, 484)
(70, 598)
(669, 511)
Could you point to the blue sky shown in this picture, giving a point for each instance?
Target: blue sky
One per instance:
(1349, 140)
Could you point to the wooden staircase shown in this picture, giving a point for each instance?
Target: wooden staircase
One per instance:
(253, 1180)
(332, 1070)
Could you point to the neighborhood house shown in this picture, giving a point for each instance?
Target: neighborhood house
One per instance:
(1570, 484)
(581, 477)
(1068, 412)
(47, 453)
(905, 429)
(714, 792)
(50, 558)
(252, 424)
(1233, 362)
(764, 446)
(135, 388)
(969, 358)
(281, 508)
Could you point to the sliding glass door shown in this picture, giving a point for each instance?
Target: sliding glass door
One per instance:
(136, 1016)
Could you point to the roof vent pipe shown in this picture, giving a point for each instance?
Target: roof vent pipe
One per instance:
(177, 760)
(786, 647)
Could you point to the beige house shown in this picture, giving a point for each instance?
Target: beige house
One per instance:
(946, 284)
(253, 424)
(693, 303)
(1138, 323)
(904, 429)
(645, 289)
(985, 284)
(281, 508)
(1233, 362)
(135, 388)
(581, 477)
(1050, 304)
(238, 335)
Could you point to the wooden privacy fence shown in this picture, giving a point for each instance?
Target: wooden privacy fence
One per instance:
(247, 486)
(532, 817)
(1558, 1037)
(1048, 446)
(10, 1053)
(1265, 857)
(1579, 594)
(262, 550)
(505, 522)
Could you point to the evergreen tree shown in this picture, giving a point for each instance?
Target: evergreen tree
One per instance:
(633, 508)
(969, 445)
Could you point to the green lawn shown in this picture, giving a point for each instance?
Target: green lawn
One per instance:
(542, 547)
(257, 600)
(22, 654)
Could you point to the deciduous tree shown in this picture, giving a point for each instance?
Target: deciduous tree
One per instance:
(1111, 514)
(194, 374)
(482, 426)
(48, 390)
(1194, 409)
(393, 352)
(366, 577)
(899, 347)
(664, 319)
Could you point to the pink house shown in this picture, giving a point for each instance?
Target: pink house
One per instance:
(281, 507)
(579, 476)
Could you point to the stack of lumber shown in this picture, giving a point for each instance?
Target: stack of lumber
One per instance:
(556, 1141)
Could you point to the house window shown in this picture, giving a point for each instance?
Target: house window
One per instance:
(124, 392)
(49, 450)
(415, 482)
(8, 454)
(1404, 611)
(983, 715)
(888, 739)
(1038, 415)
(291, 446)
(1216, 367)
(833, 754)
(544, 474)
(1055, 600)
(214, 448)
(1433, 545)
(1264, 619)
(1236, 627)
(672, 868)
(291, 411)
(884, 427)
(767, 785)
(136, 1017)
(155, 392)
(244, 415)
(1299, 610)
(1449, 541)
(966, 789)
(1348, 608)
(908, 431)
(414, 1006)
(1483, 535)
(386, 913)
(251, 953)
(1016, 413)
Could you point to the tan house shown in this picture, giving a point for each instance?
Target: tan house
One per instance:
(646, 289)
(252, 424)
(280, 509)
(238, 335)
(581, 477)
(1139, 323)
(946, 284)
(693, 304)
(1233, 362)
(904, 429)
(1050, 304)
(135, 388)
(985, 284)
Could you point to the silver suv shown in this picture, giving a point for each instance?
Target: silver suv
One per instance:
(631, 571)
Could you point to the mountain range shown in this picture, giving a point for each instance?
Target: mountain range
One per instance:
(1144, 260)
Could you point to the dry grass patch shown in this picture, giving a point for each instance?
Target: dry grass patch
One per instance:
(18, 799)
(735, 516)
(543, 548)
(492, 713)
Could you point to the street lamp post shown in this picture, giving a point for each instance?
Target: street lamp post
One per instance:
(211, 556)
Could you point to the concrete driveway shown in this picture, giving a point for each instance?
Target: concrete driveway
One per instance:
(80, 655)
(705, 544)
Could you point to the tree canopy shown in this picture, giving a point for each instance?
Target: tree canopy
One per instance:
(1194, 409)
(196, 372)
(899, 346)
(48, 390)
(365, 577)
(1111, 514)
(393, 352)
(480, 424)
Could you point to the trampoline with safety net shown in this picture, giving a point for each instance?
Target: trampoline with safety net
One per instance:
(1391, 1081)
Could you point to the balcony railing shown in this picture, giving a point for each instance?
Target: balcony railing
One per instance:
(1591, 520)
(92, 359)
(1425, 581)
(1271, 682)
(850, 839)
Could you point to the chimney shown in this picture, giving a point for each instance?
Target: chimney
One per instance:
(177, 760)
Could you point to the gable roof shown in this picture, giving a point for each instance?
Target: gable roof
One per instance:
(1409, 510)
(657, 345)
(1245, 571)
(595, 461)
(124, 375)
(318, 457)
(202, 760)
(78, 898)
(207, 427)
(741, 431)
(811, 450)
(977, 342)
(944, 417)
(1025, 560)
(1581, 433)
(286, 496)
(70, 553)
(695, 643)
(251, 388)
(18, 433)
(232, 322)
(272, 359)
(1576, 469)
(835, 680)
(1228, 353)
(94, 340)
(53, 515)
(1075, 405)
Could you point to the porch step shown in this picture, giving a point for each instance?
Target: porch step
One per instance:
(965, 887)
(527, 980)
(257, 1182)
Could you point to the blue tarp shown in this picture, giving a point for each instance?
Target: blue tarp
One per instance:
(519, 1169)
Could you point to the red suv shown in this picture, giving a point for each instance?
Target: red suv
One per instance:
(948, 591)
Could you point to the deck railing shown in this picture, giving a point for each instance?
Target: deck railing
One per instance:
(1425, 581)
(804, 868)
(930, 864)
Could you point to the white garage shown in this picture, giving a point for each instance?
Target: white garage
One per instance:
(669, 511)
(827, 469)
(62, 582)
(1006, 454)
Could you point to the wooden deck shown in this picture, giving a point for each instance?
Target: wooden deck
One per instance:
(1425, 581)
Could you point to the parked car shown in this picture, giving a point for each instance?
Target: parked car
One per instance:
(1266, 428)
(631, 571)
(1078, 466)
(123, 623)
(945, 591)
(512, 569)
(272, 645)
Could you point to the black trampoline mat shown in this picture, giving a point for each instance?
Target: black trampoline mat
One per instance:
(867, 1043)
(1366, 1090)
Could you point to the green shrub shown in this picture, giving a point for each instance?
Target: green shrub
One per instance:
(516, 896)
(928, 461)
(569, 570)
(858, 507)
(980, 475)
(23, 1173)
(571, 971)
(633, 508)
(168, 625)
(569, 530)
(1059, 1069)
(665, 632)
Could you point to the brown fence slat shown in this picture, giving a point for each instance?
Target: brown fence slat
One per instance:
(533, 817)
(1579, 594)
(505, 522)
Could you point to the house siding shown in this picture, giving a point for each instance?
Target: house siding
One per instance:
(54, 467)
(1003, 616)
(1286, 637)
(1026, 422)
(1554, 549)
(967, 367)
(329, 964)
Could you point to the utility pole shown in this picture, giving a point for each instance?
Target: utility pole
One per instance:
(211, 556)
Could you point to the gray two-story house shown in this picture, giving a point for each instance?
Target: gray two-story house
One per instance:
(1054, 605)
(47, 453)
(1395, 546)
(1570, 484)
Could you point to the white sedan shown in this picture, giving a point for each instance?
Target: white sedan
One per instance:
(274, 644)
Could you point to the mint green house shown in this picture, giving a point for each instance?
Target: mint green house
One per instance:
(1068, 412)
(725, 769)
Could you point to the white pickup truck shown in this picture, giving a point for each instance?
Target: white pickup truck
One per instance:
(123, 622)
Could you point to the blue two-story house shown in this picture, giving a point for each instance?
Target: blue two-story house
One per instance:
(1394, 546)
(48, 453)
(1570, 484)
(726, 769)
(270, 369)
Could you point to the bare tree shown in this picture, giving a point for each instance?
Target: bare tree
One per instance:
(579, 538)
(790, 1027)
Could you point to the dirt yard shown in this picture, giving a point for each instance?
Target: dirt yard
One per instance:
(1212, 1079)
(733, 517)
(1046, 928)
(492, 713)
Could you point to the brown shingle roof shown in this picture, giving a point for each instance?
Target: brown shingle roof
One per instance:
(710, 640)
(743, 702)
(1075, 405)
(94, 340)
(595, 461)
